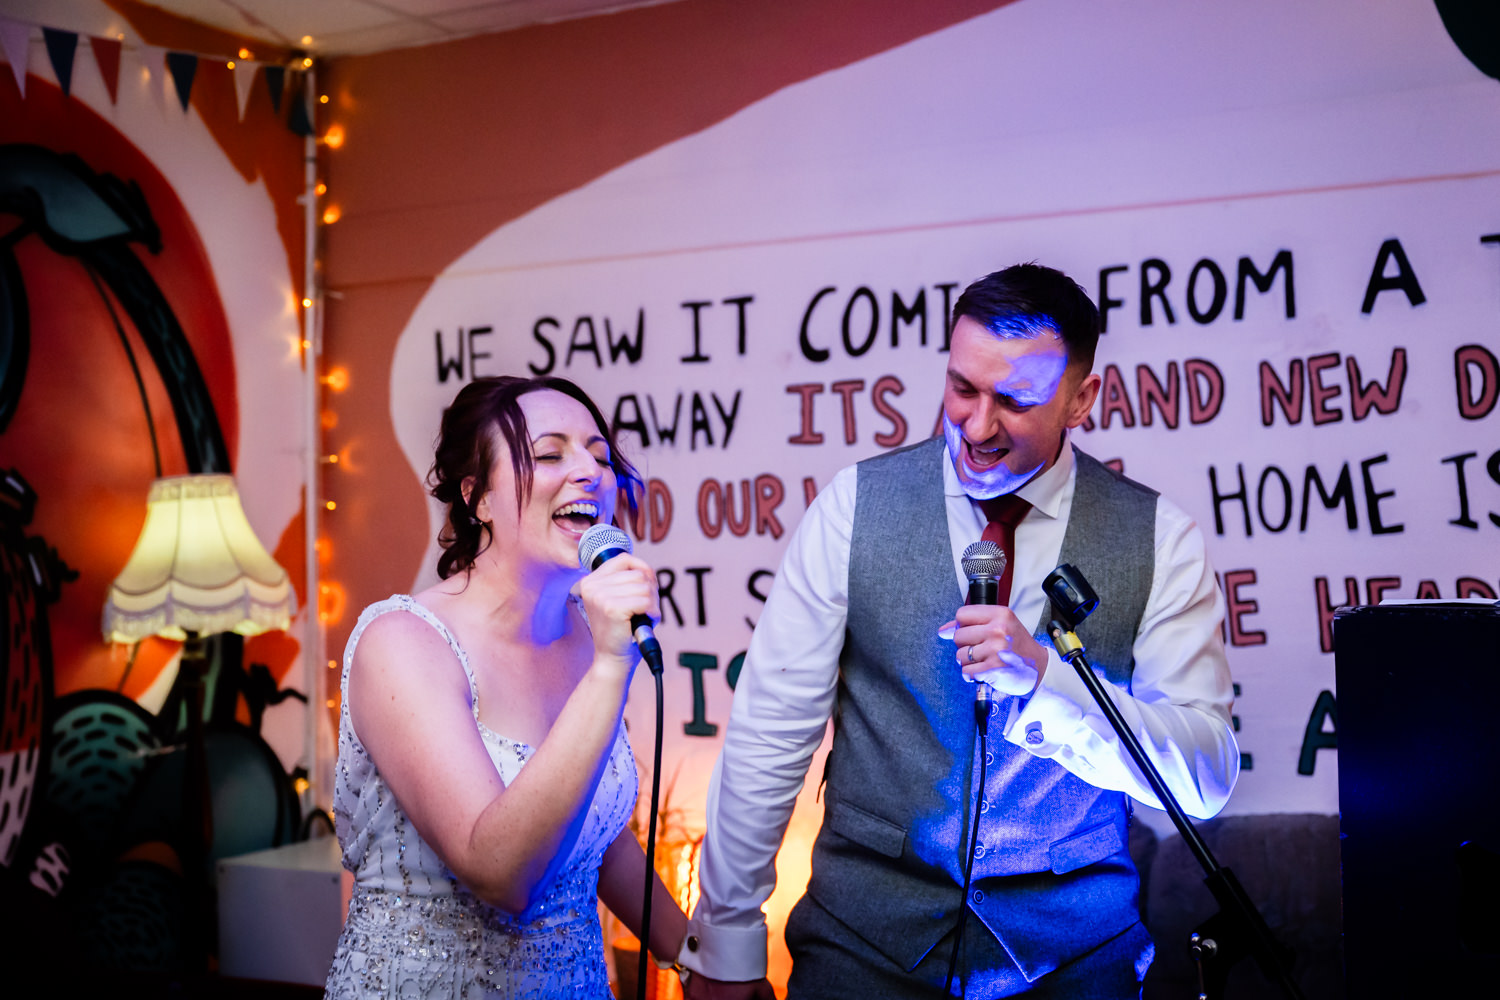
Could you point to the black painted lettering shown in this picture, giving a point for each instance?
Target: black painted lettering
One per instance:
(697, 357)
(536, 334)
(861, 294)
(1220, 292)
(449, 365)
(804, 341)
(1373, 498)
(1404, 280)
(1280, 264)
(902, 314)
(1219, 499)
(584, 339)
(1155, 276)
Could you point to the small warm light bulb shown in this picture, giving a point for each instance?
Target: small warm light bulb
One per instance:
(307, 345)
(307, 303)
(307, 62)
(322, 98)
(334, 137)
(331, 459)
(330, 505)
(301, 785)
(307, 39)
(321, 189)
(331, 214)
(230, 64)
(337, 379)
(331, 602)
(244, 53)
(333, 703)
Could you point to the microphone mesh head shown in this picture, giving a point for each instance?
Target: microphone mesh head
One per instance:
(597, 539)
(983, 558)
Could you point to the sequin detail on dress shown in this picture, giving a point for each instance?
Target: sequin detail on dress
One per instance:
(413, 930)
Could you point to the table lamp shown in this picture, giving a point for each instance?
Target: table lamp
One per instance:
(196, 570)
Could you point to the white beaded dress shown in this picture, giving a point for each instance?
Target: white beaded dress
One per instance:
(413, 930)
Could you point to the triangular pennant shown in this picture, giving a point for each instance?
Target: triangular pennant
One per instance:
(107, 56)
(15, 37)
(183, 65)
(154, 64)
(61, 46)
(275, 80)
(244, 79)
(298, 119)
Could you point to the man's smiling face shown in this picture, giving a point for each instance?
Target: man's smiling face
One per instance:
(1006, 403)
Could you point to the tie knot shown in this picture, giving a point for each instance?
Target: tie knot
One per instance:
(1006, 510)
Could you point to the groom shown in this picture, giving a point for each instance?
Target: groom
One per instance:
(866, 625)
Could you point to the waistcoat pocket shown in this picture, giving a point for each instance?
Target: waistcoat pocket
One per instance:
(866, 829)
(1092, 845)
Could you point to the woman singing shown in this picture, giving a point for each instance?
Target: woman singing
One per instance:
(484, 780)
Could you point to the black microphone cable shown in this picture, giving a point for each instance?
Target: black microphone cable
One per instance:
(599, 544)
(640, 980)
(982, 719)
(983, 563)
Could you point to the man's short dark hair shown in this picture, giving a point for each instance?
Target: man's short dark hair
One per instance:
(1025, 299)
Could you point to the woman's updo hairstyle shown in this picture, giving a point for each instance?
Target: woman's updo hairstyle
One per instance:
(466, 451)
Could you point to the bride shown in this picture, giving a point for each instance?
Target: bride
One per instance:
(484, 779)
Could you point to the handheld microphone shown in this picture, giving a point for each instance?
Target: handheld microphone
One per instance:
(599, 544)
(983, 563)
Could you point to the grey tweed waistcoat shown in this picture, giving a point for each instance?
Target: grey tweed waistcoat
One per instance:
(1052, 876)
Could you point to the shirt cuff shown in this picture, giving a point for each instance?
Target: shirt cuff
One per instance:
(1044, 723)
(729, 954)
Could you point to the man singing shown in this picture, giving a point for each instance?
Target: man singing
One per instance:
(866, 623)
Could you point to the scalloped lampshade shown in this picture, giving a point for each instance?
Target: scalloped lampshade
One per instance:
(197, 568)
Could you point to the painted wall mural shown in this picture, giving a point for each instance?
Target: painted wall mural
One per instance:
(1283, 216)
(128, 352)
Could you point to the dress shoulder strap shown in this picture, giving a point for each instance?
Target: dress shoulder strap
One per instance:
(409, 604)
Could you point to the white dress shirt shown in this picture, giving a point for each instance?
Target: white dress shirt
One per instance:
(1178, 704)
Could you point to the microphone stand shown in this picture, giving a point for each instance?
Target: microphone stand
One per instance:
(1238, 928)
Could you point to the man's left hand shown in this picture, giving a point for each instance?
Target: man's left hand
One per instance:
(993, 646)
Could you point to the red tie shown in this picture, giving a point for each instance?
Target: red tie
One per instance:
(1004, 513)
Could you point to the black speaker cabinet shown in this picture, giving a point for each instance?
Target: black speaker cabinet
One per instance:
(1419, 798)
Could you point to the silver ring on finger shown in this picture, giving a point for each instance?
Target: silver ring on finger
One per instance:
(970, 653)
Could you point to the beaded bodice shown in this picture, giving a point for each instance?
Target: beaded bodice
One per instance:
(413, 930)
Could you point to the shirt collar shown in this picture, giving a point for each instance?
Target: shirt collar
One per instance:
(1044, 492)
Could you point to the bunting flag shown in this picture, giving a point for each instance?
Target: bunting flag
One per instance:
(154, 62)
(107, 57)
(298, 119)
(275, 81)
(15, 37)
(61, 47)
(183, 66)
(62, 50)
(244, 79)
